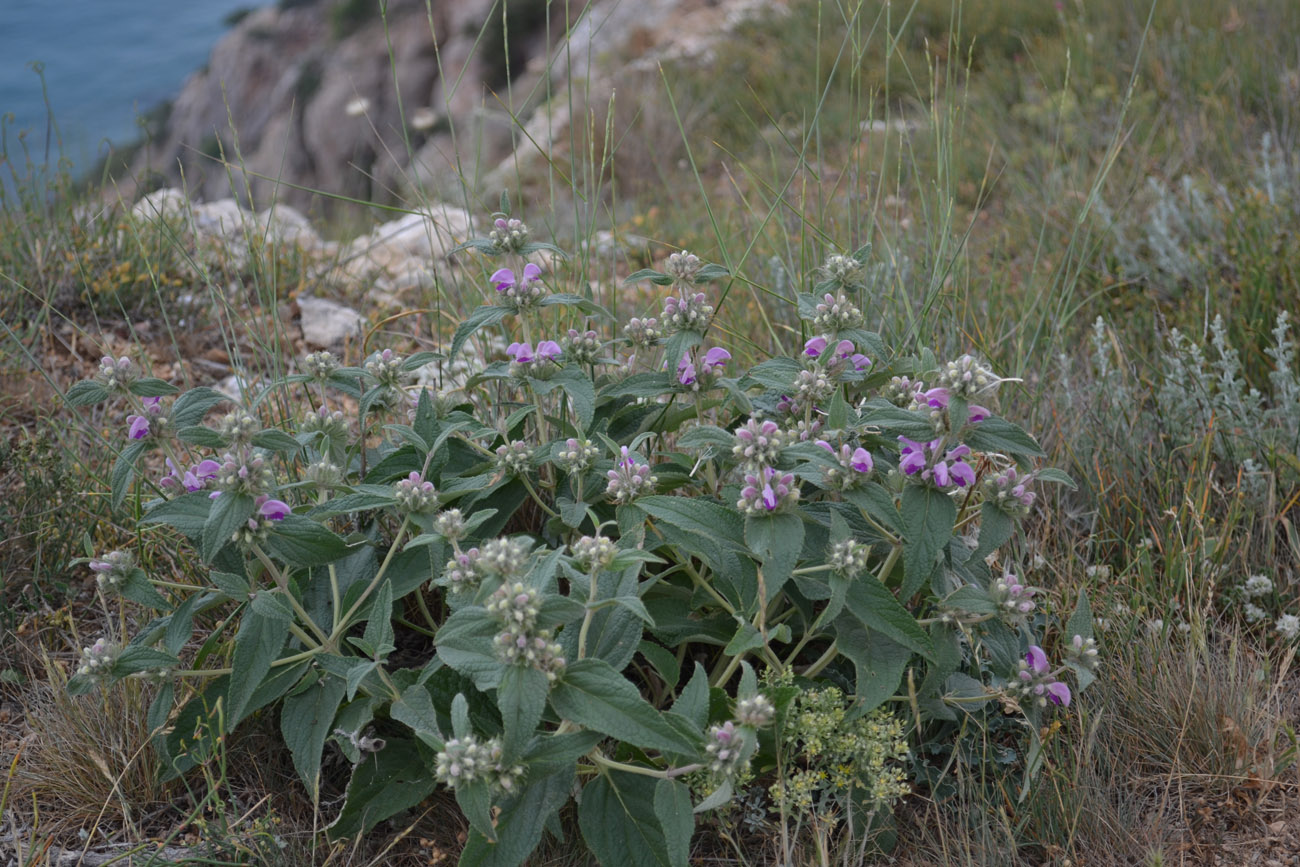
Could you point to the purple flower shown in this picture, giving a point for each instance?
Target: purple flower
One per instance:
(272, 510)
(716, 359)
(913, 457)
(944, 472)
(814, 347)
(977, 414)
(1037, 680)
(686, 371)
(861, 460)
(139, 427)
(504, 278)
(1037, 659)
(1059, 693)
(521, 353)
(548, 350)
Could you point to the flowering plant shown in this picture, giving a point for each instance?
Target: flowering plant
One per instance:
(570, 569)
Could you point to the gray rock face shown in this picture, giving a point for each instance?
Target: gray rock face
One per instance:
(327, 324)
(299, 93)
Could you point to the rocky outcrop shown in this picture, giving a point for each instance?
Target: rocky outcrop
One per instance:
(329, 96)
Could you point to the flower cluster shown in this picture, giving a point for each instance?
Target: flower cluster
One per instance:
(642, 333)
(967, 377)
(514, 458)
(758, 443)
(508, 235)
(265, 512)
(116, 375)
(331, 425)
(931, 463)
(152, 422)
(577, 456)
(629, 479)
(691, 312)
(594, 553)
(525, 362)
(935, 403)
(1009, 493)
(836, 313)
(324, 474)
(522, 292)
(521, 642)
(468, 760)
(766, 491)
(505, 557)
(415, 495)
(841, 269)
(1014, 600)
(755, 711)
(196, 478)
(244, 471)
(683, 266)
(901, 391)
(848, 558)
(463, 571)
(725, 748)
(710, 368)
(238, 428)
(97, 660)
(839, 359)
(450, 525)
(112, 570)
(854, 469)
(1083, 653)
(388, 369)
(1036, 683)
(320, 366)
(581, 346)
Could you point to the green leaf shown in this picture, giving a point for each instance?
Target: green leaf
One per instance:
(1054, 476)
(618, 821)
(300, 541)
(776, 374)
(701, 517)
(464, 642)
(657, 277)
(86, 393)
(276, 441)
(638, 385)
(876, 608)
(198, 435)
(693, 702)
(711, 272)
(721, 795)
(520, 823)
(664, 662)
(521, 697)
(880, 663)
(414, 708)
(305, 721)
(970, 599)
(379, 628)
(151, 387)
(385, 783)
(776, 540)
(124, 471)
(475, 801)
(233, 586)
(592, 694)
(137, 659)
(193, 405)
(480, 318)
(996, 527)
(187, 513)
(257, 644)
(271, 604)
(673, 810)
(1080, 623)
(928, 518)
(999, 435)
(138, 588)
(229, 513)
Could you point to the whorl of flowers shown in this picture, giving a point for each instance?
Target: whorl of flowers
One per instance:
(709, 369)
(522, 292)
(691, 312)
(901, 391)
(1083, 653)
(320, 366)
(505, 557)
(582, 346)
(117, 374)
(97, 660)
(1008, 492)
(967, 377)
(758, 443)
(387, 369)
(803, 430)
(324, 474)
(238, 428)
(811, 387)
(725, 749)
(244, 471)
(836, 313)
(415, 495)
(1014, 600)
(931, 463)
(196, 478)
(594, 553)
(935, 402)
(837, 360)
(331, 425)
(576, 456)
(112, 570)
(450, 525)
(766, 491)
(844, 270)
(463, 571)
(469, 760)
(524, 361)
(629, 479)
(848, 558)
(854, 469)
(152, 422)
(683, 266)
(642, 333)
(755, 711)
(508, 235)
(266, 511)
(515, 458)
(1036, 684)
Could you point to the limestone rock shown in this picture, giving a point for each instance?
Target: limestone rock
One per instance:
(326, 323)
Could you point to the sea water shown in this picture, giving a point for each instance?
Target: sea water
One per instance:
(105, 63)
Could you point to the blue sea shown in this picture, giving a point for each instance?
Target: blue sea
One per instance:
(105, 62)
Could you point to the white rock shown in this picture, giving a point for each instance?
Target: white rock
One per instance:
(327, 323)
(168, 202)
(287, 225)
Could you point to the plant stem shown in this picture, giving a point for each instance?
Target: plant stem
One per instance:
(282, 583)
(346, 619)
(822, 661)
